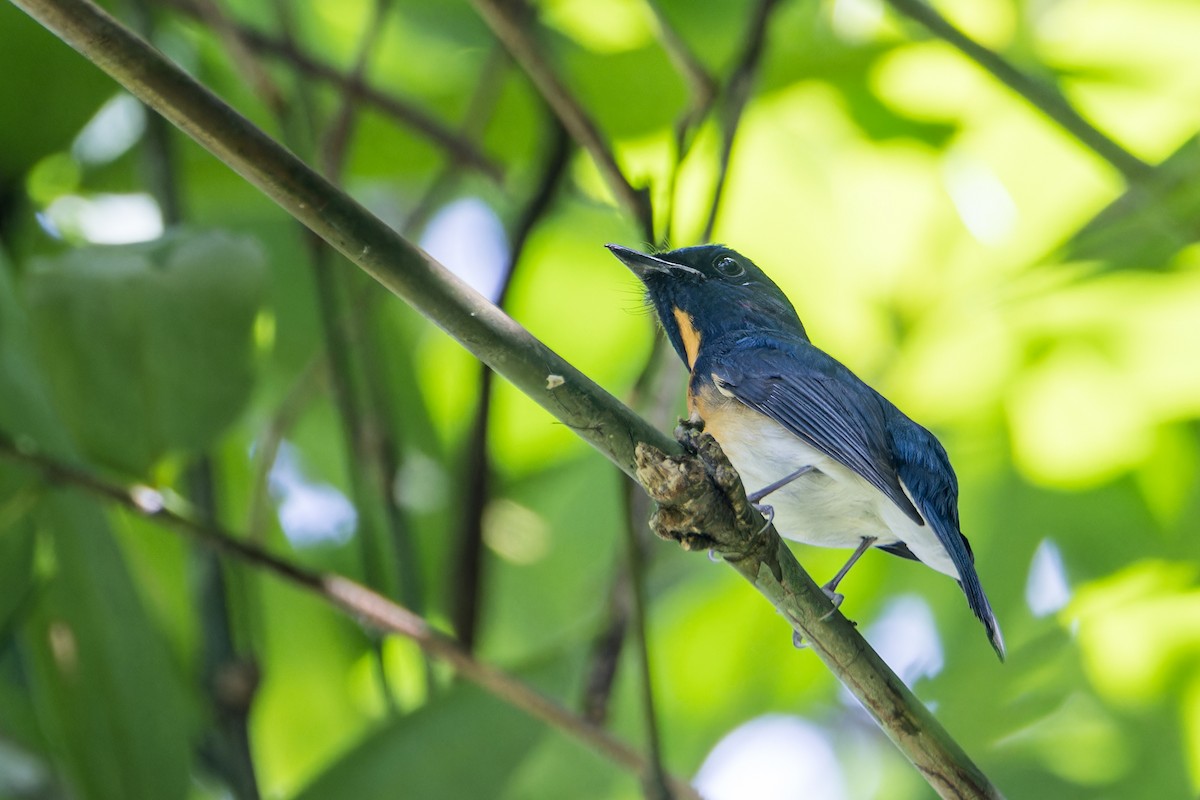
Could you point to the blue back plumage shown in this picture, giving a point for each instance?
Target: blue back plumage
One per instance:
(923, 465)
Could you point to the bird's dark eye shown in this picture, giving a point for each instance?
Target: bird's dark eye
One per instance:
(729, 267)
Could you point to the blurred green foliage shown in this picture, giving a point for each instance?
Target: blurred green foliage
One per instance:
(973, 261)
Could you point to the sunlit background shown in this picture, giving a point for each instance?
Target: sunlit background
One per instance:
(993, 276)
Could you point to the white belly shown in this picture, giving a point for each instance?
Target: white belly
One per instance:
(832, 506)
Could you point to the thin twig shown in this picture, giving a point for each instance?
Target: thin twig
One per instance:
(656, 399)
(701, 85)
(703, 93)
(237, 45)
(509, 21)
(403, 111)
(300, 121)
(1045, 97)
(338, 131)
(467, 564)
(479, 109)
(225, 743)
(601, 672)
(266, 448)
(631, 577)
(367, 606)
(229, 673)
(625, 610)
(494, 338)
(378, 440)
(734, 98)
(637, 507)
(378, 541)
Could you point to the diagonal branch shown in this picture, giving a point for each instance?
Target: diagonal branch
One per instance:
(354, 599)
(480, 107)
(401, 267)
(467, 563)
(508, 21)
(458, 146)
(531, 366)
(701, 85)
(1043, 96)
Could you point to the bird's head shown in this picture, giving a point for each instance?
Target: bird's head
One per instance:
(703, 292)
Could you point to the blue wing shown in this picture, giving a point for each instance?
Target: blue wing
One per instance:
(816, 398)
(924, 467)
(821, 401)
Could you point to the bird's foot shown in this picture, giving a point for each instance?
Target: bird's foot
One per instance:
(835, 597)
(677, 483)
(689, 512)
(798, 641)
(768, 513)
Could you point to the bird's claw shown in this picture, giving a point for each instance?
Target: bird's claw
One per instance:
(835, 597)
(798, 640)
(768, 512)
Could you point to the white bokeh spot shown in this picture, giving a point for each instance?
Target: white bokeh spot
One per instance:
(773, 757)
(467, 238)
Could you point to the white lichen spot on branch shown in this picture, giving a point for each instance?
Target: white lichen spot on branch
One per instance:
(148, 501)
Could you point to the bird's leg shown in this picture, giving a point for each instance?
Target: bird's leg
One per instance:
(830, 589)
(779, 484)
(766, 510)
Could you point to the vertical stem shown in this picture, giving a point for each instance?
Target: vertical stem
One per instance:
(467, 565)
(736, 95)
(229, 678)
(637, 512)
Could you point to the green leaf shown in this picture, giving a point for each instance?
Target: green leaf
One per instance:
(16, 543)
(466, 743)
(17, 493)
(149, 347)
(36, 65)
(107, 697)
(104, 691)
(1147, 225)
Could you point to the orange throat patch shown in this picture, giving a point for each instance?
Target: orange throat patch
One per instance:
(689, 335)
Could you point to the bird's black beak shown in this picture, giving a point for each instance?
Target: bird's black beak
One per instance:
(642, 264)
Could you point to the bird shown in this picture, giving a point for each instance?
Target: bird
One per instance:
(841, 465)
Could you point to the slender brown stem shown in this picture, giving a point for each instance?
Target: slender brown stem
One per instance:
(467, 568)
(637, 507)
(703, 89)
(1045, 97)
(626, 605)
(237, 47)
(479, 109)
(225, 743)
(356, 600)
(509, 21)
(338, 131)
(736, 95)
(701, 84)
(286, 49)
